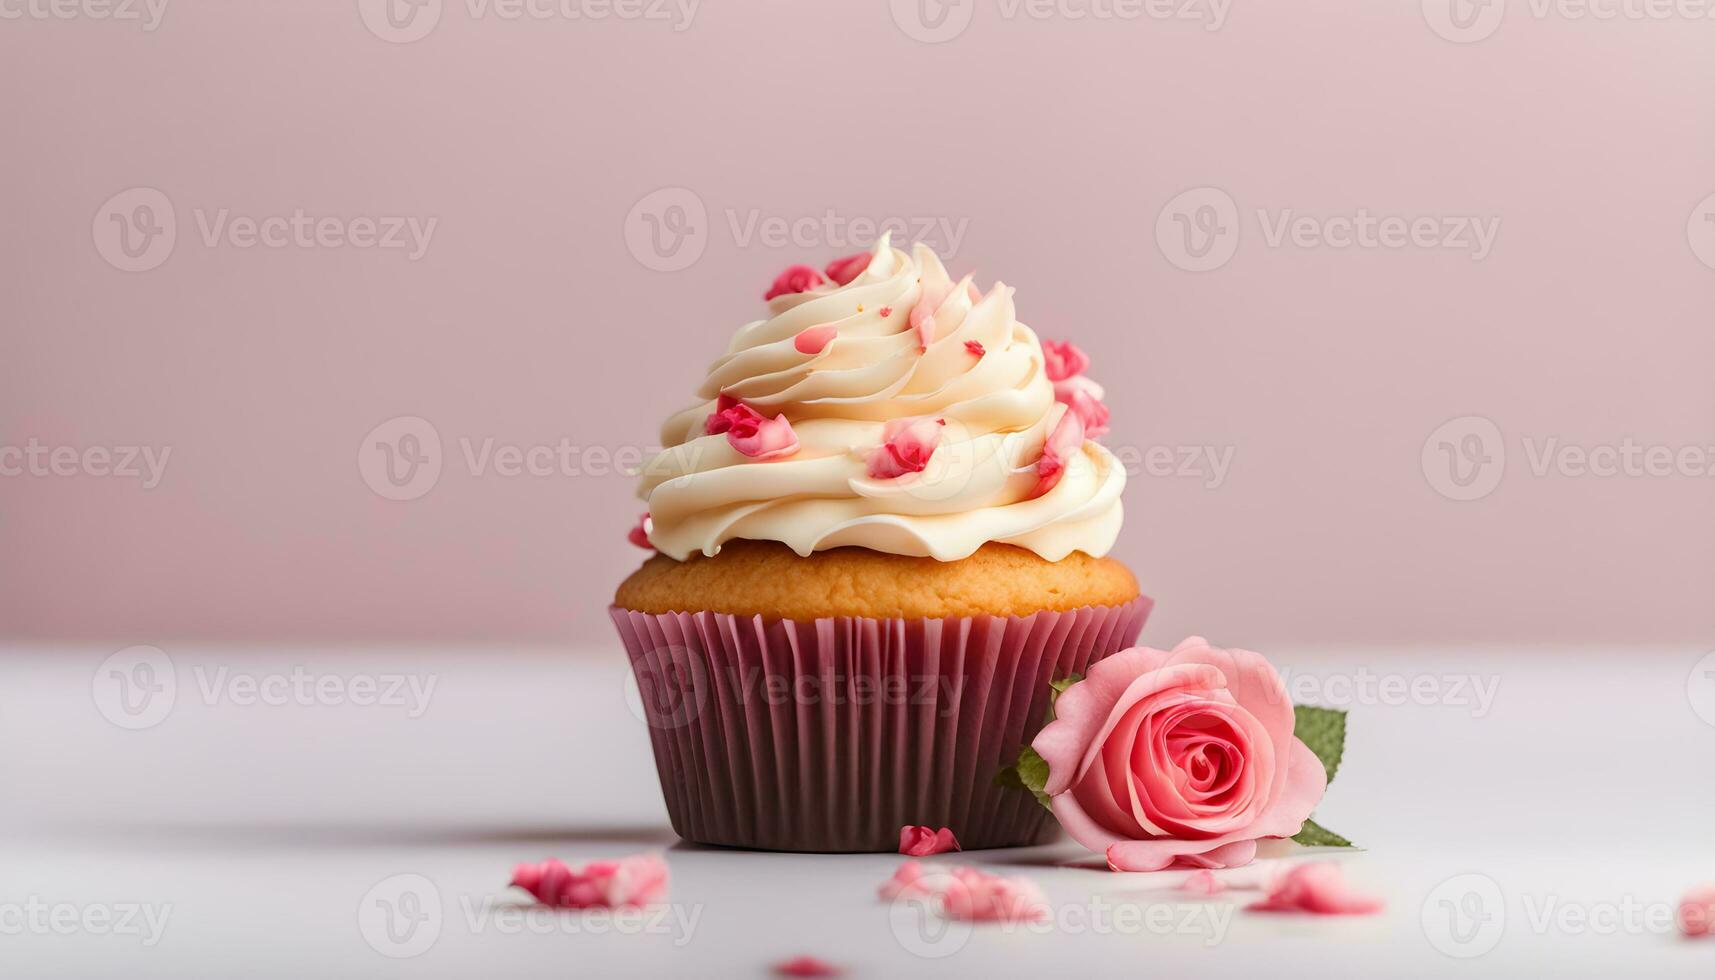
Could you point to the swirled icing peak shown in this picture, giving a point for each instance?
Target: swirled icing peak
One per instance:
(887, 406)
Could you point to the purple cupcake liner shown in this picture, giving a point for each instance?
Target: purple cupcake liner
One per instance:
(829, 735)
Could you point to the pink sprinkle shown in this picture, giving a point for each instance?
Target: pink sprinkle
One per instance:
(1697, 911)
(796, 279)
(922, 842)
(1318, 888)
(639, 535)
(842, 271)
(815, 339)
(907, 445)
(975, 347)
(640, 879)
(807, 966)
(1203, 883)
(885, 311)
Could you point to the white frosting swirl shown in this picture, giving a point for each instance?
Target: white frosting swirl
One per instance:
(999, 408)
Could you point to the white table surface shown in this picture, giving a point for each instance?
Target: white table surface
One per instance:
(1582, 799)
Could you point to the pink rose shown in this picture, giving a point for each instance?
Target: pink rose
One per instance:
(842, 271)
(796, 279)
(1185, 757)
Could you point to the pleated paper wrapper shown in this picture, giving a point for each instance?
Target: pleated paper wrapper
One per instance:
(829, 735)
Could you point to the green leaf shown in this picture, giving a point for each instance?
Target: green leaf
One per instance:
(1029, 772)
(1324, 731)
(1062, 684)
(1313, 834)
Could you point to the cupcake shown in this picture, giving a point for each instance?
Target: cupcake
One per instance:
(881, 533)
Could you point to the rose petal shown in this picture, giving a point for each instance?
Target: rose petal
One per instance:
(907, 445)
(1203, 883)
(815, 339)
(1697, 911)
(1066, 440)
(1063, 359)
(807, 966)
(796, 279)
(922, 317)
(640, 879)
(759, 437)
(922, 841)
(639, 535)
(1319, 888)
(906, 880)
(722, 417)
(844, 270)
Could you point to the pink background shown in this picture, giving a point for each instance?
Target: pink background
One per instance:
(1058, 142)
